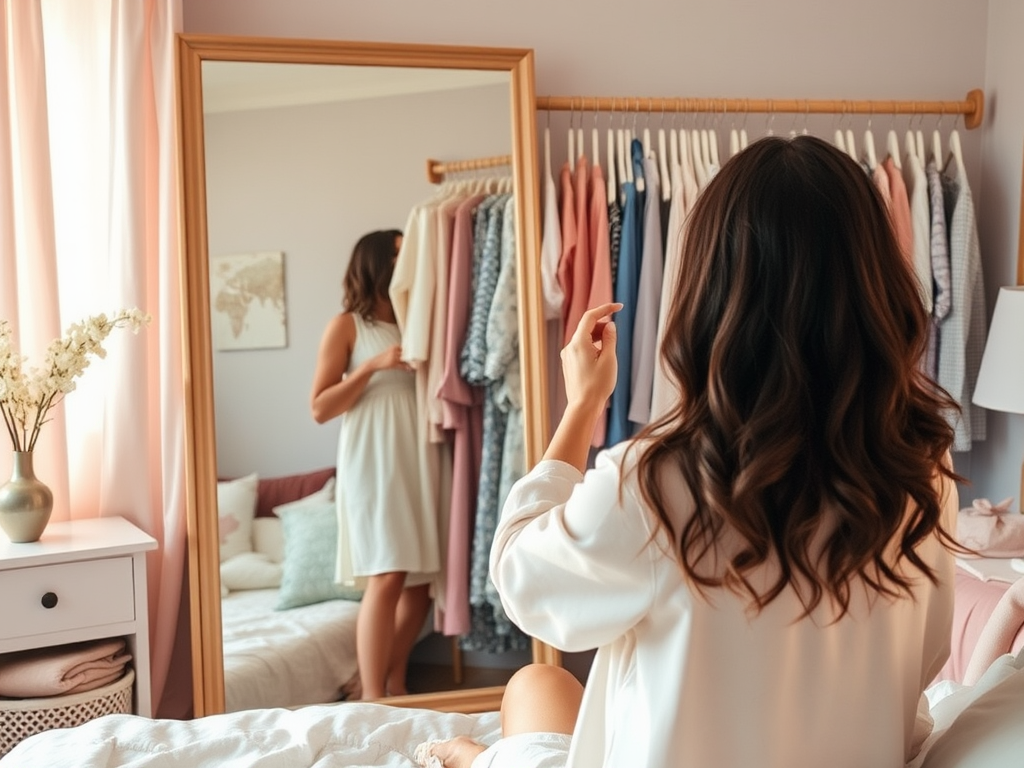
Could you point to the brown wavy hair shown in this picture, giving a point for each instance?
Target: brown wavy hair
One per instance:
(369, 271)
(794, 342)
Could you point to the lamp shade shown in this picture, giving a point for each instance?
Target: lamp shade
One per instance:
(1000, 385)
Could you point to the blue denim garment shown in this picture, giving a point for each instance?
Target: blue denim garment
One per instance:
(627, 283)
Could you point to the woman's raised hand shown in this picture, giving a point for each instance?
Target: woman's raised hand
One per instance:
(390, 358)
(588, 360)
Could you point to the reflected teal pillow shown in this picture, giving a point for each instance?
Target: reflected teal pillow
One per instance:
(310, 528)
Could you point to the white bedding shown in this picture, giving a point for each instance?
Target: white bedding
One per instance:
(977, 727)
(330, 736)
(285, 658)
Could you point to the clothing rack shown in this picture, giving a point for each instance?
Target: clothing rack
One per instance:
(972, 108)
(436, 169)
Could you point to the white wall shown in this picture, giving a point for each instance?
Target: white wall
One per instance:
(910, 48)
(309, 181)
(874, 49)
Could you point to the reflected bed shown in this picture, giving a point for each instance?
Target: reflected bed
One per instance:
(286, 658)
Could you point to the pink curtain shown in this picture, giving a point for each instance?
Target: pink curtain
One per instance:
(88, 224)
(28, 257)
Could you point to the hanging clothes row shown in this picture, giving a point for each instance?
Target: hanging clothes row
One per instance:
(455, 298)
(614, 231)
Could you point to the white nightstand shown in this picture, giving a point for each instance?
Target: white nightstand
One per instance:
(83, 580)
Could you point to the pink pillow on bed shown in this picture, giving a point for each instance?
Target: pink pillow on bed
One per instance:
(274, 491)
(973, 604)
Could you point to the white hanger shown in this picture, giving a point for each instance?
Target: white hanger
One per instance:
(743, 138)
(610, 152)
(647, 143)
(620, 154)
(666, 181)
(713, 144)
(673, 146)
(893, 147)
(840, 140)
(937, 148)
(954, 149)
(685, 157)
(698, 159)
(630, 170)
(571, 157)
(547, 152)
(734, 142)
(909, 147)
(869, 148)
(595, 143)
(580, 145)
(851, 145)
(705, 150)
(919, 147)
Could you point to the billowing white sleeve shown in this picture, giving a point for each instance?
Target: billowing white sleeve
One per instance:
(573, 561)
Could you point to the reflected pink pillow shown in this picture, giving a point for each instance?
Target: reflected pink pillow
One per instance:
(274, 491)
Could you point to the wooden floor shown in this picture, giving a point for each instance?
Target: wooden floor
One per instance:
(430, 678)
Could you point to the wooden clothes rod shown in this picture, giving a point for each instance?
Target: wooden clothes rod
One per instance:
(972, 108)
(437, 169)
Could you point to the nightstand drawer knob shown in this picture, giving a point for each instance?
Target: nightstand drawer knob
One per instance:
(49, 600)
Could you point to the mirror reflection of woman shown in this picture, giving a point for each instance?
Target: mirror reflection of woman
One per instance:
(360, 377)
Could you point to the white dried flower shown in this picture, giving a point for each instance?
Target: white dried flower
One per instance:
(26, 398)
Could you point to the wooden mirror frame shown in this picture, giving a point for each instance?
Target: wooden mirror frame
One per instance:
(200, 442)
(1020, 243)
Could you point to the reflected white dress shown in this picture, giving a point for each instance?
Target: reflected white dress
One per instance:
(383, 526)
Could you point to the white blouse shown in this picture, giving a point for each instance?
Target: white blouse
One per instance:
(679, 681)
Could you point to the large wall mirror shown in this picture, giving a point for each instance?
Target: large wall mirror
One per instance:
(291, 150)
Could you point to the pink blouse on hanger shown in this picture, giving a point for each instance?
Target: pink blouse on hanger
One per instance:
(569, 234)
(601, 261)
(462, 409)
(900, 209)
(576, 304)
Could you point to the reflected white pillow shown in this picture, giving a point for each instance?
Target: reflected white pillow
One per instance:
(250, 570)
(236, 508)
(268, 538)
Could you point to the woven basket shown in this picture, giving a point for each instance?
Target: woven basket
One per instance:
(21, 718)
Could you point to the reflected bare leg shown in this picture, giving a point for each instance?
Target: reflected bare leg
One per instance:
(410, 615)
(375, 630)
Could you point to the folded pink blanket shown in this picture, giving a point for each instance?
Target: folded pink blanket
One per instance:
(62, 669)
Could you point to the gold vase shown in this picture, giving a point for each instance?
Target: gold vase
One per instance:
(25, 502)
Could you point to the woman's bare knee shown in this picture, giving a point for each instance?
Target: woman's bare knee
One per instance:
(541, 698)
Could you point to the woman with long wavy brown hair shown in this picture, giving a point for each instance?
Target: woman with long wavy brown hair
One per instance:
(766, 570)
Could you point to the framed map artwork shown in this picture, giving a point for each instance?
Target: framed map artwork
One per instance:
(247, 309)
